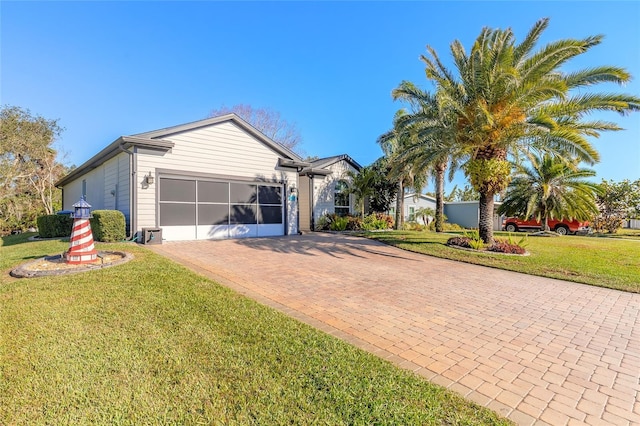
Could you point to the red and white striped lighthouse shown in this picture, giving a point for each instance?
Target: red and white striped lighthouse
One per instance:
(81, 249)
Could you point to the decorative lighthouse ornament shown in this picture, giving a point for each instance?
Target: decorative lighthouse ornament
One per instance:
(81, 249)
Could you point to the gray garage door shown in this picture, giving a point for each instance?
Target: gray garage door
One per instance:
(194, 208)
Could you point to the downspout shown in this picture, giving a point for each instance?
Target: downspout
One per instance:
(285, 186)
(311, 202)
(133, 193)
(298, 170)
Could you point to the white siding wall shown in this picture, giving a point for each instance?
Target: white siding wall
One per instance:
(324, 189)
(416, 203)
(112, 175)
(221, 149)
(71, 194)
(95, 190)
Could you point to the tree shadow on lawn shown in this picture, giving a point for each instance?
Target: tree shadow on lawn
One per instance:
(12, 240)
(334, 245)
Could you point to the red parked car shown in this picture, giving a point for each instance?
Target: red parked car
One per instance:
(562, 227)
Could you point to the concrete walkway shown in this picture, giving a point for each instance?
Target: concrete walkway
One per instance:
(537, 350)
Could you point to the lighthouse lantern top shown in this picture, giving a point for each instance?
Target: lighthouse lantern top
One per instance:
(82, 210)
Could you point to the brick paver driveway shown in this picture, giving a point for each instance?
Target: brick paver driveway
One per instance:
(531, 348)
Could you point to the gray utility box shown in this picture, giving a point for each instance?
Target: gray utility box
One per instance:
(151, 236)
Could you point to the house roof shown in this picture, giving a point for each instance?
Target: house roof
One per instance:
(153, 140)
(423, 196)
(319, 167)
(119, 145)
(167, 131)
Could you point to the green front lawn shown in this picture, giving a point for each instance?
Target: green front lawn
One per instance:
(606, 262)
(150, 342)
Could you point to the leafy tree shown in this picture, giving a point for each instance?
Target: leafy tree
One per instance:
(551, 188)
(467, 193)
(617, 201)
(384, 189)
(508, 98)
(267, 121)
(28, 168)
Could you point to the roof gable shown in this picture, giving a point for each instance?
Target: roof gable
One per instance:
(421, 196)
(328, 161)
(233, 118)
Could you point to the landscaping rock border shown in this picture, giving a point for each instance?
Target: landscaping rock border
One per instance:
(26, 270)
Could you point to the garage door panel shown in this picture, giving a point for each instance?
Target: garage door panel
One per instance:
(270, 195)
(177, 214)
(243, 193)
(270, 214)
(177, 190)
(243, 231)
(245, 214)
(179, 233)
(213, 232)
(213, 214)
(270, 230)
(213, 192)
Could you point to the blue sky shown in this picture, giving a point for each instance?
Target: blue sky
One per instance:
(107, 69)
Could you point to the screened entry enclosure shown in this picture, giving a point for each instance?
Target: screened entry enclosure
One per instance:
(203, 209)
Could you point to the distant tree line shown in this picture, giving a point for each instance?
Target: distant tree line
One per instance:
(28, 168)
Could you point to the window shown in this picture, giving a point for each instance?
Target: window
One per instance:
(341, 198)
(412, 214)
(84, 189)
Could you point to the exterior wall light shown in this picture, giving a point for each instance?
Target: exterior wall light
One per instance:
(149, 179)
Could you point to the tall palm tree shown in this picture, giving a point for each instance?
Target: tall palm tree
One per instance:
(394, 143)
(551, 188)
(432, 144)
(508, 98)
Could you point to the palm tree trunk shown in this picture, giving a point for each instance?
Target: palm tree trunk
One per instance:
(545, 219)
(485, 224)
(400, 205)
(440, 169)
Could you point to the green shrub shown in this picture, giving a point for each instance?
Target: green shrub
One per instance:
(390, 221)
(108, 225)
(339, 223)
(354, 223)
(323, 223)
(327, 222)
(445, 226)
(476, 244)
(371, 222)
(413, 226)
(55, 225)
(377, 221)
(475, 241)
(522, 242)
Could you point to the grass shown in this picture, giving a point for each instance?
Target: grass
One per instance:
(150, 342)
(604, 262)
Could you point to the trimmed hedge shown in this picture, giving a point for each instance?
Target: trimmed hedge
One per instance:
(107, 226)
(54, 226)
